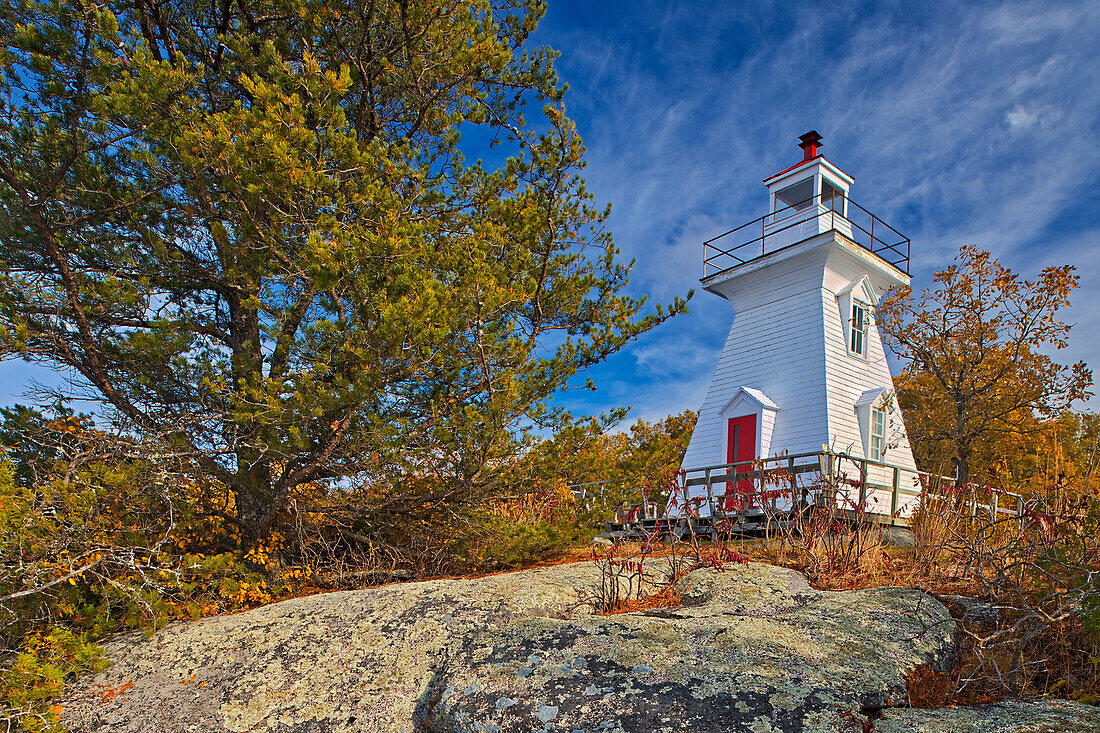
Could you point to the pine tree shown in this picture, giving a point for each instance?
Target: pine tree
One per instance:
(253, 232)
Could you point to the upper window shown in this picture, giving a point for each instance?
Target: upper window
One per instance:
(833, 198)
(878, 432)
(797, 197)
(857, 342)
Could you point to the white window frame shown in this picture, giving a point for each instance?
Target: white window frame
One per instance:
(838, 201)
(878, 433)
(857, 333)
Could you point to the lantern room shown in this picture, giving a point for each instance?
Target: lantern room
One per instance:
(806, 199)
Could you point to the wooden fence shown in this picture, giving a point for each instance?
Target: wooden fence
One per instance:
(775, 489)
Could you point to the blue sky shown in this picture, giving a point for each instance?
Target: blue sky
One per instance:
(961, 123)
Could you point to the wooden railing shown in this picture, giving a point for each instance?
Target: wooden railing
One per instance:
(838, 480)
(784, 484)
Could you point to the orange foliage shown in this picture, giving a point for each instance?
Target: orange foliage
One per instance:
(110, 693)
(664, 598)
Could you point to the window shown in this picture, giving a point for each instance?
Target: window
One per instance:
(878, 432)
(796, 197)
(857, 344)
(833, 198)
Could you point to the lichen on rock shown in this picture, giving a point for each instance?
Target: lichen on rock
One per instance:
(753, 648)
(1015, 716)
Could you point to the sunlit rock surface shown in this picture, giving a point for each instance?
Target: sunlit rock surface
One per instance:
(1037, 716)
(753, 649)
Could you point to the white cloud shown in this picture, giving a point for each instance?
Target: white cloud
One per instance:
(1019, 119)
(973, 124)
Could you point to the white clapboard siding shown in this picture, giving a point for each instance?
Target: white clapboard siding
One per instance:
(788, 339)
(783, 357)
(850, 376)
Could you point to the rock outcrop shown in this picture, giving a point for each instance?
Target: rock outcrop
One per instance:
(1017, 716)
(752, 649)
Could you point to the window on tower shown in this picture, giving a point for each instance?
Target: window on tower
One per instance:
(795, 198)
(878, 432)
(833, 198)
(857, 343)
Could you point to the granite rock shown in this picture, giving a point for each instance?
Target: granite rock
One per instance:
(1016, 716)
(753, 648)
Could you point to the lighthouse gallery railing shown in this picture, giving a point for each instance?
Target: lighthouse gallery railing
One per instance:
(864, 229)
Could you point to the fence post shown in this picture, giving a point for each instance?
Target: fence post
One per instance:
(894, 497)
(794, 482)
(862, 485)
(710, 497)
(760, 482)
(825, 494)
(825, 471)
(993, 504)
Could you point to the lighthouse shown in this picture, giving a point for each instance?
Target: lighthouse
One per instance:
(803, 378)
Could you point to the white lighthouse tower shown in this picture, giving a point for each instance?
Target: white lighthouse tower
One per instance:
(803, 375)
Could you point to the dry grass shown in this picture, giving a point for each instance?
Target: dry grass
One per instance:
(664, 598)
(1055, 658)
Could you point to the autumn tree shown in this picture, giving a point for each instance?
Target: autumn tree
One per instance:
(544, 515)
(649, 453)
(252, 231)
(1079, 433)
(973, 344)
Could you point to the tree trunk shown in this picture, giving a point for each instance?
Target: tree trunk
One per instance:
(962, 445)
(962, 467)
(255, 502)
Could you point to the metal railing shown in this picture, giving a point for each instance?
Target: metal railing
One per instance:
(888, 243)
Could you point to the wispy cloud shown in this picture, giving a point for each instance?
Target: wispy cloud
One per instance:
(962, 123)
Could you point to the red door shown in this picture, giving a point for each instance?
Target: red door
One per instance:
(741, 446)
